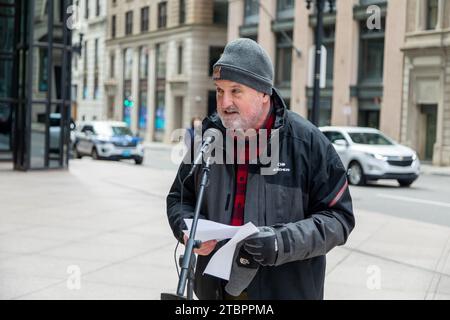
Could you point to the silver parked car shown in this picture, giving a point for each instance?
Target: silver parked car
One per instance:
(369, 155)
(108, 140)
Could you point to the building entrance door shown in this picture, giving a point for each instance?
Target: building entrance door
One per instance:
(430, 124)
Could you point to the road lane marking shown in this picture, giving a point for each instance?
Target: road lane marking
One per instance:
(408, 199)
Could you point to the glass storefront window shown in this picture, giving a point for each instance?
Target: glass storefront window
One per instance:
(161, 52)
(37, 142)
(46, 73)
(128, 63)
(143, 63)
(128, 102)
(142, 121)
(5, 126)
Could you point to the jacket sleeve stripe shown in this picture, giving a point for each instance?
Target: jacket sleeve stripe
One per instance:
(339, 195)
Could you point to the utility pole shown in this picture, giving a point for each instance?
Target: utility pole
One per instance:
(318, 35)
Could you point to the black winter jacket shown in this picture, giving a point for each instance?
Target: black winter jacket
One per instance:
(308, 199)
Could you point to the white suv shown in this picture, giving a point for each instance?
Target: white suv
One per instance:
(369, 155)
(108, 140)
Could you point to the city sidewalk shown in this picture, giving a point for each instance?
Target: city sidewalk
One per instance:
(99, 231)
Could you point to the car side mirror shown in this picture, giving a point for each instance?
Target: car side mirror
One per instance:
(341, 142)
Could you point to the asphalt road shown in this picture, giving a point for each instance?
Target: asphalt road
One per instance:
(427, 200)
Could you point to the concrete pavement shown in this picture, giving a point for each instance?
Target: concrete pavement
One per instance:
(99, 231)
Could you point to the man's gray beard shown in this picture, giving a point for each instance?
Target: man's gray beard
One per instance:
(223, 123)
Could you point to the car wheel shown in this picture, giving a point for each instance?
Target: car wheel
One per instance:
(139, 160)
(94, 154)
(356, 174)
(405, 182)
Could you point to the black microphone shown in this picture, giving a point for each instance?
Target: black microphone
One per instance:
(198, 159)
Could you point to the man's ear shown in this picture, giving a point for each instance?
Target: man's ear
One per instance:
(266, 98)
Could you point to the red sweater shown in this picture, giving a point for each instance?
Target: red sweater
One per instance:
(237, 218)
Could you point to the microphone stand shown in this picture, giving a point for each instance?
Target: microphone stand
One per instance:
(188, 260)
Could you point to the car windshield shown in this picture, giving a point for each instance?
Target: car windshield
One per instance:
(121, 131)
(369, 138)
(108, 130)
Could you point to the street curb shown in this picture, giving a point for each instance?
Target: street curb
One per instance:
(430, 173)
(435, 170)
(158, 146)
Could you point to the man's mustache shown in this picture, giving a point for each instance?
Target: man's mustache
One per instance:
(230, 109)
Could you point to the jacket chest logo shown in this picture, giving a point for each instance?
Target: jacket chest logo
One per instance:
(281, 166)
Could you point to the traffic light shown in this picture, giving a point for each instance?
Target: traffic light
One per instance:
(128, 102)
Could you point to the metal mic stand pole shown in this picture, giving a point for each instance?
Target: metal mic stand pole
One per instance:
(187, 267)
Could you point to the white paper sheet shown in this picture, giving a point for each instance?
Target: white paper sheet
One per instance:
(221, 262)
(210, 230)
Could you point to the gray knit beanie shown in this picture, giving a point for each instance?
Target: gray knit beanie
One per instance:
(246, 62)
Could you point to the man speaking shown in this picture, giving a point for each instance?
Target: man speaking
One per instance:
(302, 210)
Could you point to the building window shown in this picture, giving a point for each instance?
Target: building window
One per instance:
(85, 70)
(143, 86)
(86, 9)
(97, 8)
(114, 2)
(182, 11)
(161, 61)
(113, 26)
(370, 74)
(180, 59)
(143, 63)
(160, 121)
(128, 64)
(220, 12)
(162, 14)
(285, 9)
(112, 69)
(96, 71)
(144, 19)
(129, 22)
(324, 110)
(283, 59)
(368, 113)
(43, 69)
(371, 54)
(251, 12)
(214, 55)
(328, 42)
(432, 14)
(127, 98)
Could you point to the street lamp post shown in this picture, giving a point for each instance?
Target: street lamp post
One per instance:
(318, 34)
(78, 46)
